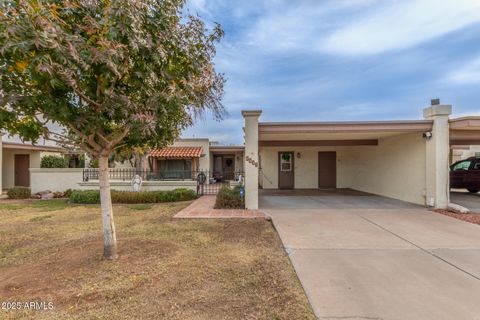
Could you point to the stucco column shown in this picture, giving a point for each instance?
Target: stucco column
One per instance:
(251, 157)
(437, 153)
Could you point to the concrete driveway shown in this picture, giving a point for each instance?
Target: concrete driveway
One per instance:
(468, 200)
(368, 257)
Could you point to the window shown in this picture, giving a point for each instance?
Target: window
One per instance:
(464, 165)
(476, 166)
(286, 162)
(175, 169)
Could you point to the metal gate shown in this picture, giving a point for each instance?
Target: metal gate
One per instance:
(211, 183)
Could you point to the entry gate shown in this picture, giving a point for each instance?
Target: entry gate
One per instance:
(210, 184)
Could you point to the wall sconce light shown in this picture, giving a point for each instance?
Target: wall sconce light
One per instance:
(299, 155)
(427, 135)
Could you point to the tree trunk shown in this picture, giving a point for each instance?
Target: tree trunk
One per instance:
(109, 236)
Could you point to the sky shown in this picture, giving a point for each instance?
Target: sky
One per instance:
(339, 60)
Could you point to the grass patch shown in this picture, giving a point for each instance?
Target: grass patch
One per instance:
(141, 206)
(168, 268)
(40, 218)
(50, 204)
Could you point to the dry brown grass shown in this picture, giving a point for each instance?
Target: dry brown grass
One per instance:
(168, 269)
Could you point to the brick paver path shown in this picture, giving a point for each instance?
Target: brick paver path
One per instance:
(202, 208)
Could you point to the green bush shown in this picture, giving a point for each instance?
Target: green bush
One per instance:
(130, 197)
(229, 199)
(84, 196)
(53, 162)
(19, 193)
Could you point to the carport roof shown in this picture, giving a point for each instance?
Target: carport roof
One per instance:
(336, 133)
(345, 127)
(465, 131)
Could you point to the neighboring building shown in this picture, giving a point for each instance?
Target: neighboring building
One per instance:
(16, 159)
(463, 152)
(405, 160)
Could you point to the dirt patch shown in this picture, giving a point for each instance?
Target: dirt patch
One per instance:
(168, 268)
(469, 217)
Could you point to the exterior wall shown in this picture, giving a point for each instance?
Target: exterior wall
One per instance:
(55, 179)
(204, 161)
(306, 167)
(8, 165)
(457, 155)
(395, 168)
(146, 185)
(66, 178)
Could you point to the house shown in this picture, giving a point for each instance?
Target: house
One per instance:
(17, 158)
(176, 166)
(406, 160)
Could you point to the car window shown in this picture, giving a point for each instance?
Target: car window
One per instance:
(464, 165)
(476, 166)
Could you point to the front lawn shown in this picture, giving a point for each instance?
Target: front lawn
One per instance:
(168, 269)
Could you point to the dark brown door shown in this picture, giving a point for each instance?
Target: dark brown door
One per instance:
(22, 176)
(286, 172)
(229, 167)
(327, 169)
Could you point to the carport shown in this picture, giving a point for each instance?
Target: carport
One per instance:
(465, 132)
(405, 160)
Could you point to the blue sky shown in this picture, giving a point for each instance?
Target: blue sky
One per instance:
(307, 60)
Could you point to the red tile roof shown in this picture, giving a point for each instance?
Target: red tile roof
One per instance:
(177, 152)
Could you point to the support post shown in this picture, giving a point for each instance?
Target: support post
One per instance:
(437, 156)
(251, 158)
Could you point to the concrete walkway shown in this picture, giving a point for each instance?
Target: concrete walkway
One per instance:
(394, 261)
(202, 208)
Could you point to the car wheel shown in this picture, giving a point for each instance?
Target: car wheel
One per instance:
(473, 190)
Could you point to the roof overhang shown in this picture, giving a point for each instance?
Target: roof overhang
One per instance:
(24, 146)
(465, 131)
(335, 133)
(227, 149)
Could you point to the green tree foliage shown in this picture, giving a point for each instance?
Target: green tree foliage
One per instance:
(112, 73)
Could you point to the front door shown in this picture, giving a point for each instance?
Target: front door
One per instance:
(327, 169)
(286, 174)
(229, 167)
(21, 165)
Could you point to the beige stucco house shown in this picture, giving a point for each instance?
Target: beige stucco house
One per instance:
(16, 159)
(407, 160)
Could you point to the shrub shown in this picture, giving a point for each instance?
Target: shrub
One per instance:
(130, 197)
(229, 199)
(67, 193)
(85, 196)
(53, 162)
(19, 193)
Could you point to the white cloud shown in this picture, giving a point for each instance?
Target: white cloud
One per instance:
(402, 24)
(359, 27)
(468, 74)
